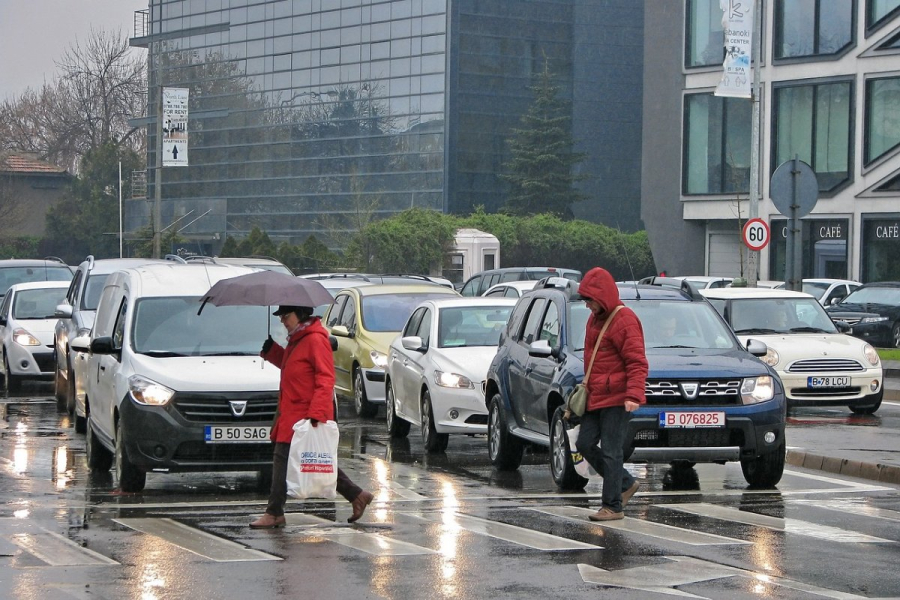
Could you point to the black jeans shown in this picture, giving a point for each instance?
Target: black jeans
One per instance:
(607, 426)
(278, 496)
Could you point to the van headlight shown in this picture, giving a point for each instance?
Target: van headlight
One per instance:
(452, 380)
(771, 358)
(147, 392)
(757, 389)
(871, 354)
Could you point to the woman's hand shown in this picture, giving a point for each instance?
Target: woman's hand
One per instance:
(267, 345)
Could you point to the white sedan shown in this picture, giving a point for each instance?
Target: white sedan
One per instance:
(818, 365)
(437, 368)
(509, 289)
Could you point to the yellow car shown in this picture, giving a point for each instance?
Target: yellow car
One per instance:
(365, 320)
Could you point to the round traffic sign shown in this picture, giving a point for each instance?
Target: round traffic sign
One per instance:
(794, 183)
(756, 234)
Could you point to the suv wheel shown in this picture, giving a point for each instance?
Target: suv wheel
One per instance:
(434, 442)
(766, 470)
(869, 408)
(131, 478)
(396, 427)
(561, 466)
(364, 408)
(99, 459)
(895, 334)
(504, 449)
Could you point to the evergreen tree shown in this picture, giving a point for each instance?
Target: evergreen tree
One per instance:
(541, 171)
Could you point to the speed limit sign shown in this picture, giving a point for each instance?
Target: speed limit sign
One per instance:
(756, 234)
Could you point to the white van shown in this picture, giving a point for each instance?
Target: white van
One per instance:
(170, 390)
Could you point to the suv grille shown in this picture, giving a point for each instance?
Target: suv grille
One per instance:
(825, 365)
(201, 407)
(676, 392)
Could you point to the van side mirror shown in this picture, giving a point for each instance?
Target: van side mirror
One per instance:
(63, 311)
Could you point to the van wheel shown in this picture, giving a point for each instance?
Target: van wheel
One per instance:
(505, 449)
(99, 459)
(364, 408)
(131, 478)
(434, 442)
(764, 471)
(561, 466)
(870, 408)
(397, 427)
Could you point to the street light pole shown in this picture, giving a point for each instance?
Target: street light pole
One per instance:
(157, 188)
(753, 200)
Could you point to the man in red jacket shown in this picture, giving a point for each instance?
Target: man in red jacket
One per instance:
(615, 389)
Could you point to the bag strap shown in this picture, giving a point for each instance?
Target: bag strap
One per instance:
(600, 337)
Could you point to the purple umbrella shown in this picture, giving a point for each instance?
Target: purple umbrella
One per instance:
(266, 288)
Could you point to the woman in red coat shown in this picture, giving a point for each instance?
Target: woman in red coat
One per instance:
(306, 392)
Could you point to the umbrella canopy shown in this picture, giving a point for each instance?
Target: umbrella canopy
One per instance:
(267, 288)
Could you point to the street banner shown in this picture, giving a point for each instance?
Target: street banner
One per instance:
(174, 129)
(737, 25)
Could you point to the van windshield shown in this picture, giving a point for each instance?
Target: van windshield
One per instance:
(172, 327)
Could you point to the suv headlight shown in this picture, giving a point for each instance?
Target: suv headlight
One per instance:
(379, 359)
(147, 392)
(771, 358)
(23, 338)
(452, 380)
(871, 354)
(757, 389)
(873, 319)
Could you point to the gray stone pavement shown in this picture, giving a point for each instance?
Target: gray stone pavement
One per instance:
(853, 445)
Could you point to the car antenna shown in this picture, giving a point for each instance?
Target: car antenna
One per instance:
(637, 292)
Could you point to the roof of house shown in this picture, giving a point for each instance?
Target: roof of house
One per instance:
(27, 163)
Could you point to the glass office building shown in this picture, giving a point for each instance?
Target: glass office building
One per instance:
(313, 116)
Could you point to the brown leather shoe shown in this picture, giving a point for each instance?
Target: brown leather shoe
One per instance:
(627, 494)
(359, 505)
(268, 521)
(606, 514)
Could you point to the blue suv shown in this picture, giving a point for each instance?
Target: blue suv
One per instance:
(709, 399)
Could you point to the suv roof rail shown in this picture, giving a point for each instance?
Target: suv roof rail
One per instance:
(682, 285)
(175, 258)
(264, 256)
(199, 258)
(55, 259)
(90, 261)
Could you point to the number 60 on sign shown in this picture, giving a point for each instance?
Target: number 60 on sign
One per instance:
(756, 234)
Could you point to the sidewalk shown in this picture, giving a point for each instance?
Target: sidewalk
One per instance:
(860, 449)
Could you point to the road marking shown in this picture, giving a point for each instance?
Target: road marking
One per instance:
(195, 540)
(655, 530)
(370, 543)
(662, 578)
(59, 551)
(853, 506)
(405, 492)
(794, 526)
(522, 536)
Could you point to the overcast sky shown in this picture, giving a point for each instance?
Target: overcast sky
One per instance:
(35, 33)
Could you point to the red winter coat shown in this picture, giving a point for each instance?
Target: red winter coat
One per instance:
(620, 368)
(307, 379)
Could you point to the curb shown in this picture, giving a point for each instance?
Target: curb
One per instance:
(843, 466)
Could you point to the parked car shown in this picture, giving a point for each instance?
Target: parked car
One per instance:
(873, 313)
(479, 283)
(264, 263)
(818, 365)
(365, 320)
(828, 291)
(76, 317)
(170, 390)
(26, 330)
(700, 282)
(437, 366)
(336, 285)
(510, 289)
(18, 270)
(388, 278)
(709, 399)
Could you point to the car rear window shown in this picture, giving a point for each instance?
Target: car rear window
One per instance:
(10, 276)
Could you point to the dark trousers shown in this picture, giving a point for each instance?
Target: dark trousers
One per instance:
(607, 426)
(278, 496)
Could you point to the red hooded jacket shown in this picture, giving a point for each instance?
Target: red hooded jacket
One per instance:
(307, 379)
(620, 368)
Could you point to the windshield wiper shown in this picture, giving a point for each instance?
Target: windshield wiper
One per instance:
(759, 330)
(162, 353)
(694, 347)
(809, 330)
(228, 354)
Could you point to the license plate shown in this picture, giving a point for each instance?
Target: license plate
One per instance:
(827, 382)
(236, 434)
(691, 420)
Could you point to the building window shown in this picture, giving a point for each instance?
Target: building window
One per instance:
(814, 122)
(813, 27)
(879, 11)
(880, 248)
(824, 247)
(717, 145)
(704, 39)
(882, 117)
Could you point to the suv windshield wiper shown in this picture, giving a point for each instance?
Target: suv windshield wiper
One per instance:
(809, 330)
(162, 353)
(756, 330)
(228, 354)
(676, 346)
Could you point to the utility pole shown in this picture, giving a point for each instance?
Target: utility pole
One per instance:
(753, 212)
(120, 209)
(157, 187)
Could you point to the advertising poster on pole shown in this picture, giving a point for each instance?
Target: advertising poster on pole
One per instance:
(174, 127)
(737, 25)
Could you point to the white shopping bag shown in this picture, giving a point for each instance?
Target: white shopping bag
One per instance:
(582, 467)
(312, 462)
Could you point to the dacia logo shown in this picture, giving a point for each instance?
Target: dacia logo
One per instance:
(689, 389)
(238, 407)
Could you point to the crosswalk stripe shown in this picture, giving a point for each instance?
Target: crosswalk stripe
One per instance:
(504, 531)
(655, 530)
(370, 543)
(794, 526)
(195, 540)
(854, 507)
(58, 551)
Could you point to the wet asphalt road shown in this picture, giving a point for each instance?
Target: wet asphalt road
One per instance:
(446, 526)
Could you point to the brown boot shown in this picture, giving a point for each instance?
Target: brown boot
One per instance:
(606, 514)
(627, 494)
(268, 521)
(359, 505)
